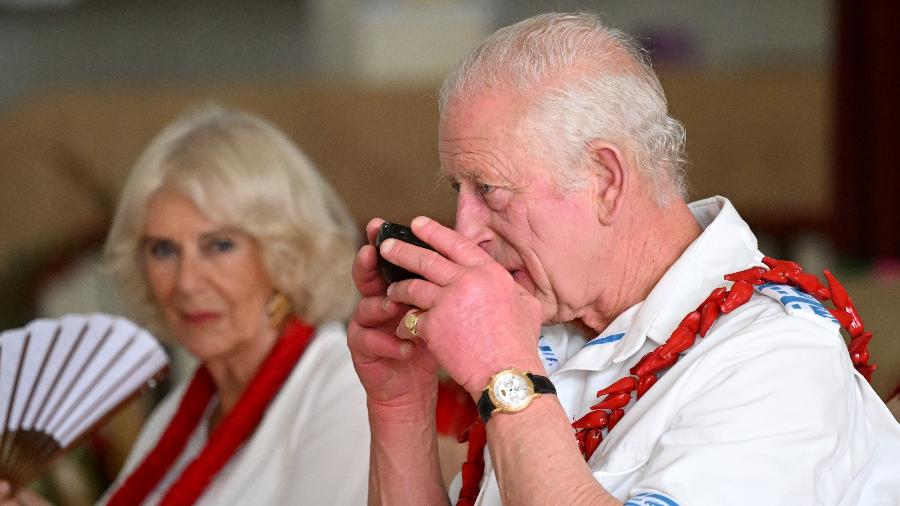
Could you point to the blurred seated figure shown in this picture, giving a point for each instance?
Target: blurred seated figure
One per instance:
(227, 240)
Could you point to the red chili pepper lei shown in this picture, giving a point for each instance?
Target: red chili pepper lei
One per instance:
(626, 384)
(644, 374)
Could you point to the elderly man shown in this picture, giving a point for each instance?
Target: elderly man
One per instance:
(573, 258)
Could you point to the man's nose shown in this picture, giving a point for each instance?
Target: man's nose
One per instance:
(472, 218)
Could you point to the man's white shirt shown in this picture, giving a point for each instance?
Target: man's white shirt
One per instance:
(766, 409)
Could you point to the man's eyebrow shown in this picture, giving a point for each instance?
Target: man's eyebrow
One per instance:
(456, 176)
(457, 139)
(471, 175)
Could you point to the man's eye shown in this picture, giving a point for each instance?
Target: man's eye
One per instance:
(162, 249)
(484, 189)
(455, 186)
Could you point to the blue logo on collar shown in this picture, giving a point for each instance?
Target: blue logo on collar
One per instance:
(605, 339)
(548, 357)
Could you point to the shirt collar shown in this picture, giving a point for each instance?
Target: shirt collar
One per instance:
(726, 245)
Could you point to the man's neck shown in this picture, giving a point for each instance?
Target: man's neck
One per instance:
(655, 238)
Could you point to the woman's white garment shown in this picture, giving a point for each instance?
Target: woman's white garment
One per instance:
(766, 409)
(311, 447)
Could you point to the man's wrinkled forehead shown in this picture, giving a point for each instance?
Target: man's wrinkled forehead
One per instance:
(479, 162)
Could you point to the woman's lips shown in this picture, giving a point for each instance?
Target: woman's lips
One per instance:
(199, 317)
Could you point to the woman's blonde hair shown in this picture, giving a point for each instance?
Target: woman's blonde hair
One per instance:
(242, 172)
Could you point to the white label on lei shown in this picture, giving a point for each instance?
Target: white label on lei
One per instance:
(796, 302)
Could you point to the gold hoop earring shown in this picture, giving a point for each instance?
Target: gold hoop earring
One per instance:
(278, 308)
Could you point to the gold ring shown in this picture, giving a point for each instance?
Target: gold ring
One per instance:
(410, 321)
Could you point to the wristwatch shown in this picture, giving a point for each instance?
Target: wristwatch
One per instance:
(511, 391)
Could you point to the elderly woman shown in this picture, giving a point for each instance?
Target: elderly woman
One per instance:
(227, 240)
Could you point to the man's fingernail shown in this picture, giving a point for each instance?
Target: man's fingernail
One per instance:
(387, 245)
(405, 349)
(419, 221)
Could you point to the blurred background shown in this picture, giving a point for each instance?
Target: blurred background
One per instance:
(789, 108)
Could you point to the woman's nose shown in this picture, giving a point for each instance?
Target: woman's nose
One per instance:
(190, 273)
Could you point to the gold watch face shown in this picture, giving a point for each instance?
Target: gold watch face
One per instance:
(511, 390)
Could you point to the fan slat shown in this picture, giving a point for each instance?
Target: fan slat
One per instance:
(73, 397)
(12, 398)
(40, 375)
(89, 391)
(56, 379)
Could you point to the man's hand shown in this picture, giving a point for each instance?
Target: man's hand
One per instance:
(476, 320)
(400, 378)
(394, 371)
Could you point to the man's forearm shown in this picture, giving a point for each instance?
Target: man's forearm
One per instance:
(404, 466)
(537, 461)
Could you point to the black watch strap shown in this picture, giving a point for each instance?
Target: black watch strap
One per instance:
(542, 385)
(485, 407)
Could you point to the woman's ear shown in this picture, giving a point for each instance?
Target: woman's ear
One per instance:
(611, 179)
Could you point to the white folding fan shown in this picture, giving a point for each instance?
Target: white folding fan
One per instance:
(60, 378)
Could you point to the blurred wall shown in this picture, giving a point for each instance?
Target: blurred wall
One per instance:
(711, 34)
(148, 43)
(141, 42)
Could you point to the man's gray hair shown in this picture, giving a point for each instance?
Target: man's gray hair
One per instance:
(585, 82)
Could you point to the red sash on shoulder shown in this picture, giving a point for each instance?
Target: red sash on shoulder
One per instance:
(235, 428)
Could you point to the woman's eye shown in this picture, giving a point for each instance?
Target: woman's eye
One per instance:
(162, 249)
(221, 245)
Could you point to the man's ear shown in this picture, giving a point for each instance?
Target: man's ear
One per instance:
(612, 178)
